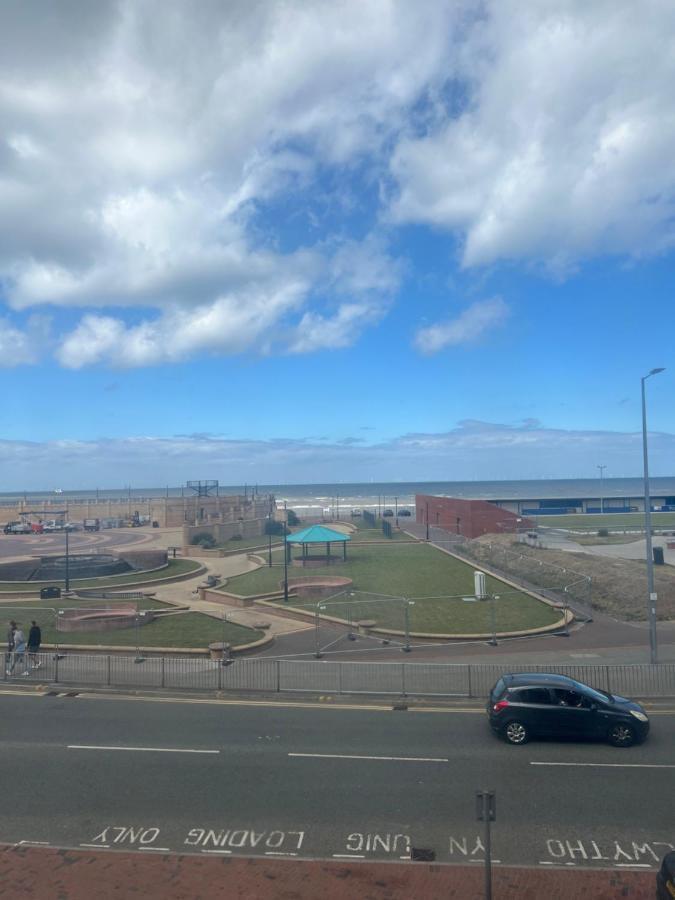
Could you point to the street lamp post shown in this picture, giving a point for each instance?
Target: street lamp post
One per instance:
(651, 599)
(67, 563)
(285, 557)
(427, 518)
(269, 529)
(396, 508)
(602, 491)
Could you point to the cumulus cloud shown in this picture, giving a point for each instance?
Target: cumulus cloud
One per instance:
(141, 139)
(22, 346)
(469, 326)
(564, 146)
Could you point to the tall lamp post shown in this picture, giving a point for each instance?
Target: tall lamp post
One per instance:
(651, 599)
(602, 491)
(67, 562)
(285, 557)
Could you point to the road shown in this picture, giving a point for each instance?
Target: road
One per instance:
(323, 781)
(17, 545)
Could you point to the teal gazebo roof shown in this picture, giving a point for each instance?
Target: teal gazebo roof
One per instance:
(316, 534)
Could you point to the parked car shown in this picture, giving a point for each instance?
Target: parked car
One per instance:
(665, 878)
(388, 512)
(523, 706)
(53, 526)
(404, 512)
(37, 527)
(356, 512)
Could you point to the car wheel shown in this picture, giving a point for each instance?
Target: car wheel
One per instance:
(621, 735)
(515, 733)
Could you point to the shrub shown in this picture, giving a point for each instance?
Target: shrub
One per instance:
(204, 540)
(274, 527)
(236, 537)
(603, 532)
(292, 518)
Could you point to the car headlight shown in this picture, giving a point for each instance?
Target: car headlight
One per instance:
(640, 716)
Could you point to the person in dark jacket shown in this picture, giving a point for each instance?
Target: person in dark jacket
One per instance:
(34, 641)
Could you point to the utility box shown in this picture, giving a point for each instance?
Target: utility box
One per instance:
(50, 593)
(658, 555)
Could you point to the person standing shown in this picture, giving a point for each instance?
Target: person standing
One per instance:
(19, 652)
(34, 641)
(10, 646)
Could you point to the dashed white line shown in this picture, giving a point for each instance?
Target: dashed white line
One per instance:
(162, 849)
(377, 758)
(96, 846)
(545, 862)
(481, 860)
(46, 843)
(608, 765)
(349, 855)
(217, 851)
(140, 749)
(278, 853)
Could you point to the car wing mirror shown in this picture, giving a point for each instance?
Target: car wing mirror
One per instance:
(594, 707)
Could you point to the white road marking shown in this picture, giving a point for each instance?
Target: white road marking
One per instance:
(217, 851)
(385, 758)
(608, 765)
(349, 856)
(34, 842)
(163, 849)
(633, 865)
(278, 853)
(139, 749)
(480, 860)
(96, 846)
(545, 862)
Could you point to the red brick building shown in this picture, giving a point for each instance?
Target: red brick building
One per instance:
(470, 518)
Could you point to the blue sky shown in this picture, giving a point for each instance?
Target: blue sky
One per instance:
(319, 242)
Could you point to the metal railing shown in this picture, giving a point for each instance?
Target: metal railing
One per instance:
(317, 676)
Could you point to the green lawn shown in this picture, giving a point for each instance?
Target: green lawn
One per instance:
(417, 571)
(613, 520)
(184, 630)
(175, 568)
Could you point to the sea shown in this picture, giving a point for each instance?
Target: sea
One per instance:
(318, 499)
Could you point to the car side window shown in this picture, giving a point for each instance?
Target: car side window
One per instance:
(563, 697)
(540, 696)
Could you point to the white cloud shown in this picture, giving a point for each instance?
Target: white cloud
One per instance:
(565, 146)
(23, 346)
(471, 450)
(143, 137)
(469, 326)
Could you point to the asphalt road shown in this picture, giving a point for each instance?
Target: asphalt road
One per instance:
(325, 781)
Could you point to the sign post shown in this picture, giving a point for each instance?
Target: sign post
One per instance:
(486, 811)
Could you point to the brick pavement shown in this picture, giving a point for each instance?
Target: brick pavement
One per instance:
(51, 874)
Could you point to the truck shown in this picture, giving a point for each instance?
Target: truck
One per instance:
(17, 528)
(92, 524)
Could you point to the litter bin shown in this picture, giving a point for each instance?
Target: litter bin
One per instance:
(658, 555)
(155, 524)
(50, 593)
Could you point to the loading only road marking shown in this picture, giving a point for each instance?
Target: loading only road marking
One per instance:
(434, 759)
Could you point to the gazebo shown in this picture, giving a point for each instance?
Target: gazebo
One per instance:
(317, 534)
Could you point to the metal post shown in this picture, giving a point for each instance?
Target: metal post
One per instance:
(602, 469)
(396, 509)
(427, 517)
(317, 650)
(486, 812)
(406, 609)
(493, 618)
(285, 561)
(162, 680)
(651, 598)
(67, 563)
(108, 673)
(269, 527)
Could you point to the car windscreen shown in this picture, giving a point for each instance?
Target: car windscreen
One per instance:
(593, 693)
(498, 690)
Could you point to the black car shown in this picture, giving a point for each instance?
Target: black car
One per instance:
(537, 705)
(404, 512)
(665, 878)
